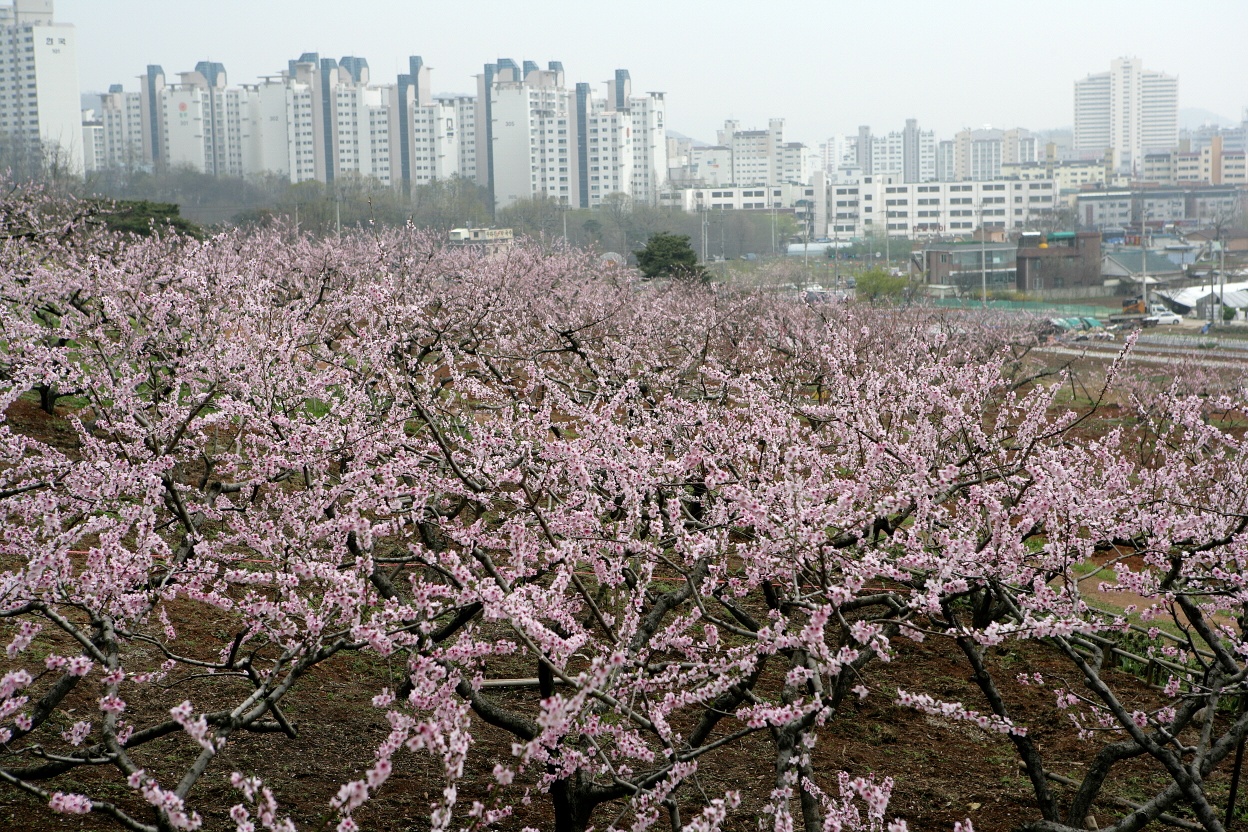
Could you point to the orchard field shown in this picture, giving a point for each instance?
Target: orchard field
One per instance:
(374, 533)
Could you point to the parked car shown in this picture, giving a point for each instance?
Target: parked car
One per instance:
(1163, 319)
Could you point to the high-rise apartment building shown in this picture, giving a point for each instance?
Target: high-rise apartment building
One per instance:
(909, 153)
(426, 133)
(280, 127)
(751, 157)
(1129, 110)
(121, 123)
(977, 155)
(525, 135)
(465, 107)
(645, 131)
(755, 155)
(606, 150)
(538, 138)
(40, 110)
(151, 86)
(92, 141)
(349, 119)
(912, 155)
(204, 125)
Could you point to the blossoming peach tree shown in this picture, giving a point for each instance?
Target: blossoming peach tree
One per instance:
(636, 530)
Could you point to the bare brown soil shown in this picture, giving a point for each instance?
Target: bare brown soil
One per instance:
(944, 771)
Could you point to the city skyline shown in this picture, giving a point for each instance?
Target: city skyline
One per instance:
(825, 70)
(534, 132)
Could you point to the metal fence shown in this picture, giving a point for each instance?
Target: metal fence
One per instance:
(1033, 306)
(1194, 342)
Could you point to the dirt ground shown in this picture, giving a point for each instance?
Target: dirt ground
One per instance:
(944, 771)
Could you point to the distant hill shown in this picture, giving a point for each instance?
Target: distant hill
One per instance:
(1192, 117)
(696, 142)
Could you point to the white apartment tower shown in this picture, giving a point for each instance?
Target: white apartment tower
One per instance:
(537, 138)
(644, 132)
(527, 136)
(756, 157)
(204, 122)
(121, 119)
(425, 133)
(1129, 110)
(92, 142)
(604, 153)
(910, 153)
(977, 155)
(39, 102)
(749, 158)
(279, 113)
(465, 107)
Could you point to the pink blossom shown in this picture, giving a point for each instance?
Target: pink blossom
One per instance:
(112, 705)
(73, 804)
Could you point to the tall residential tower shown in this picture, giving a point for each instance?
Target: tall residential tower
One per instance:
(40, 110)
(1128, 110)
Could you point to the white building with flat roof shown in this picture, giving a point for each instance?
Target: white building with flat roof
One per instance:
(92, 142)
(536, 138)
(40, 109)
(279, 113)
(466, 121)
(908, 209)
(204, 122)
(121, 116)
(909, 153)
(620, 143)
(1130, 109)
(977, 155)
(530, 146)
(526, 136)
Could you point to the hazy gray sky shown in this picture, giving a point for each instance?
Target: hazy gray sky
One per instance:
(825, 66)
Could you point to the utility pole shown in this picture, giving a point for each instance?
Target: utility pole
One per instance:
(836, 251)
(806, 255)
(703, 235)
(1221, 276)
(983, 256)
(772, 199)
(1211, 290)
(723, 254)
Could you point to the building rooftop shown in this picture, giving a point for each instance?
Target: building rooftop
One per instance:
(1137, 262)
(959, 245)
